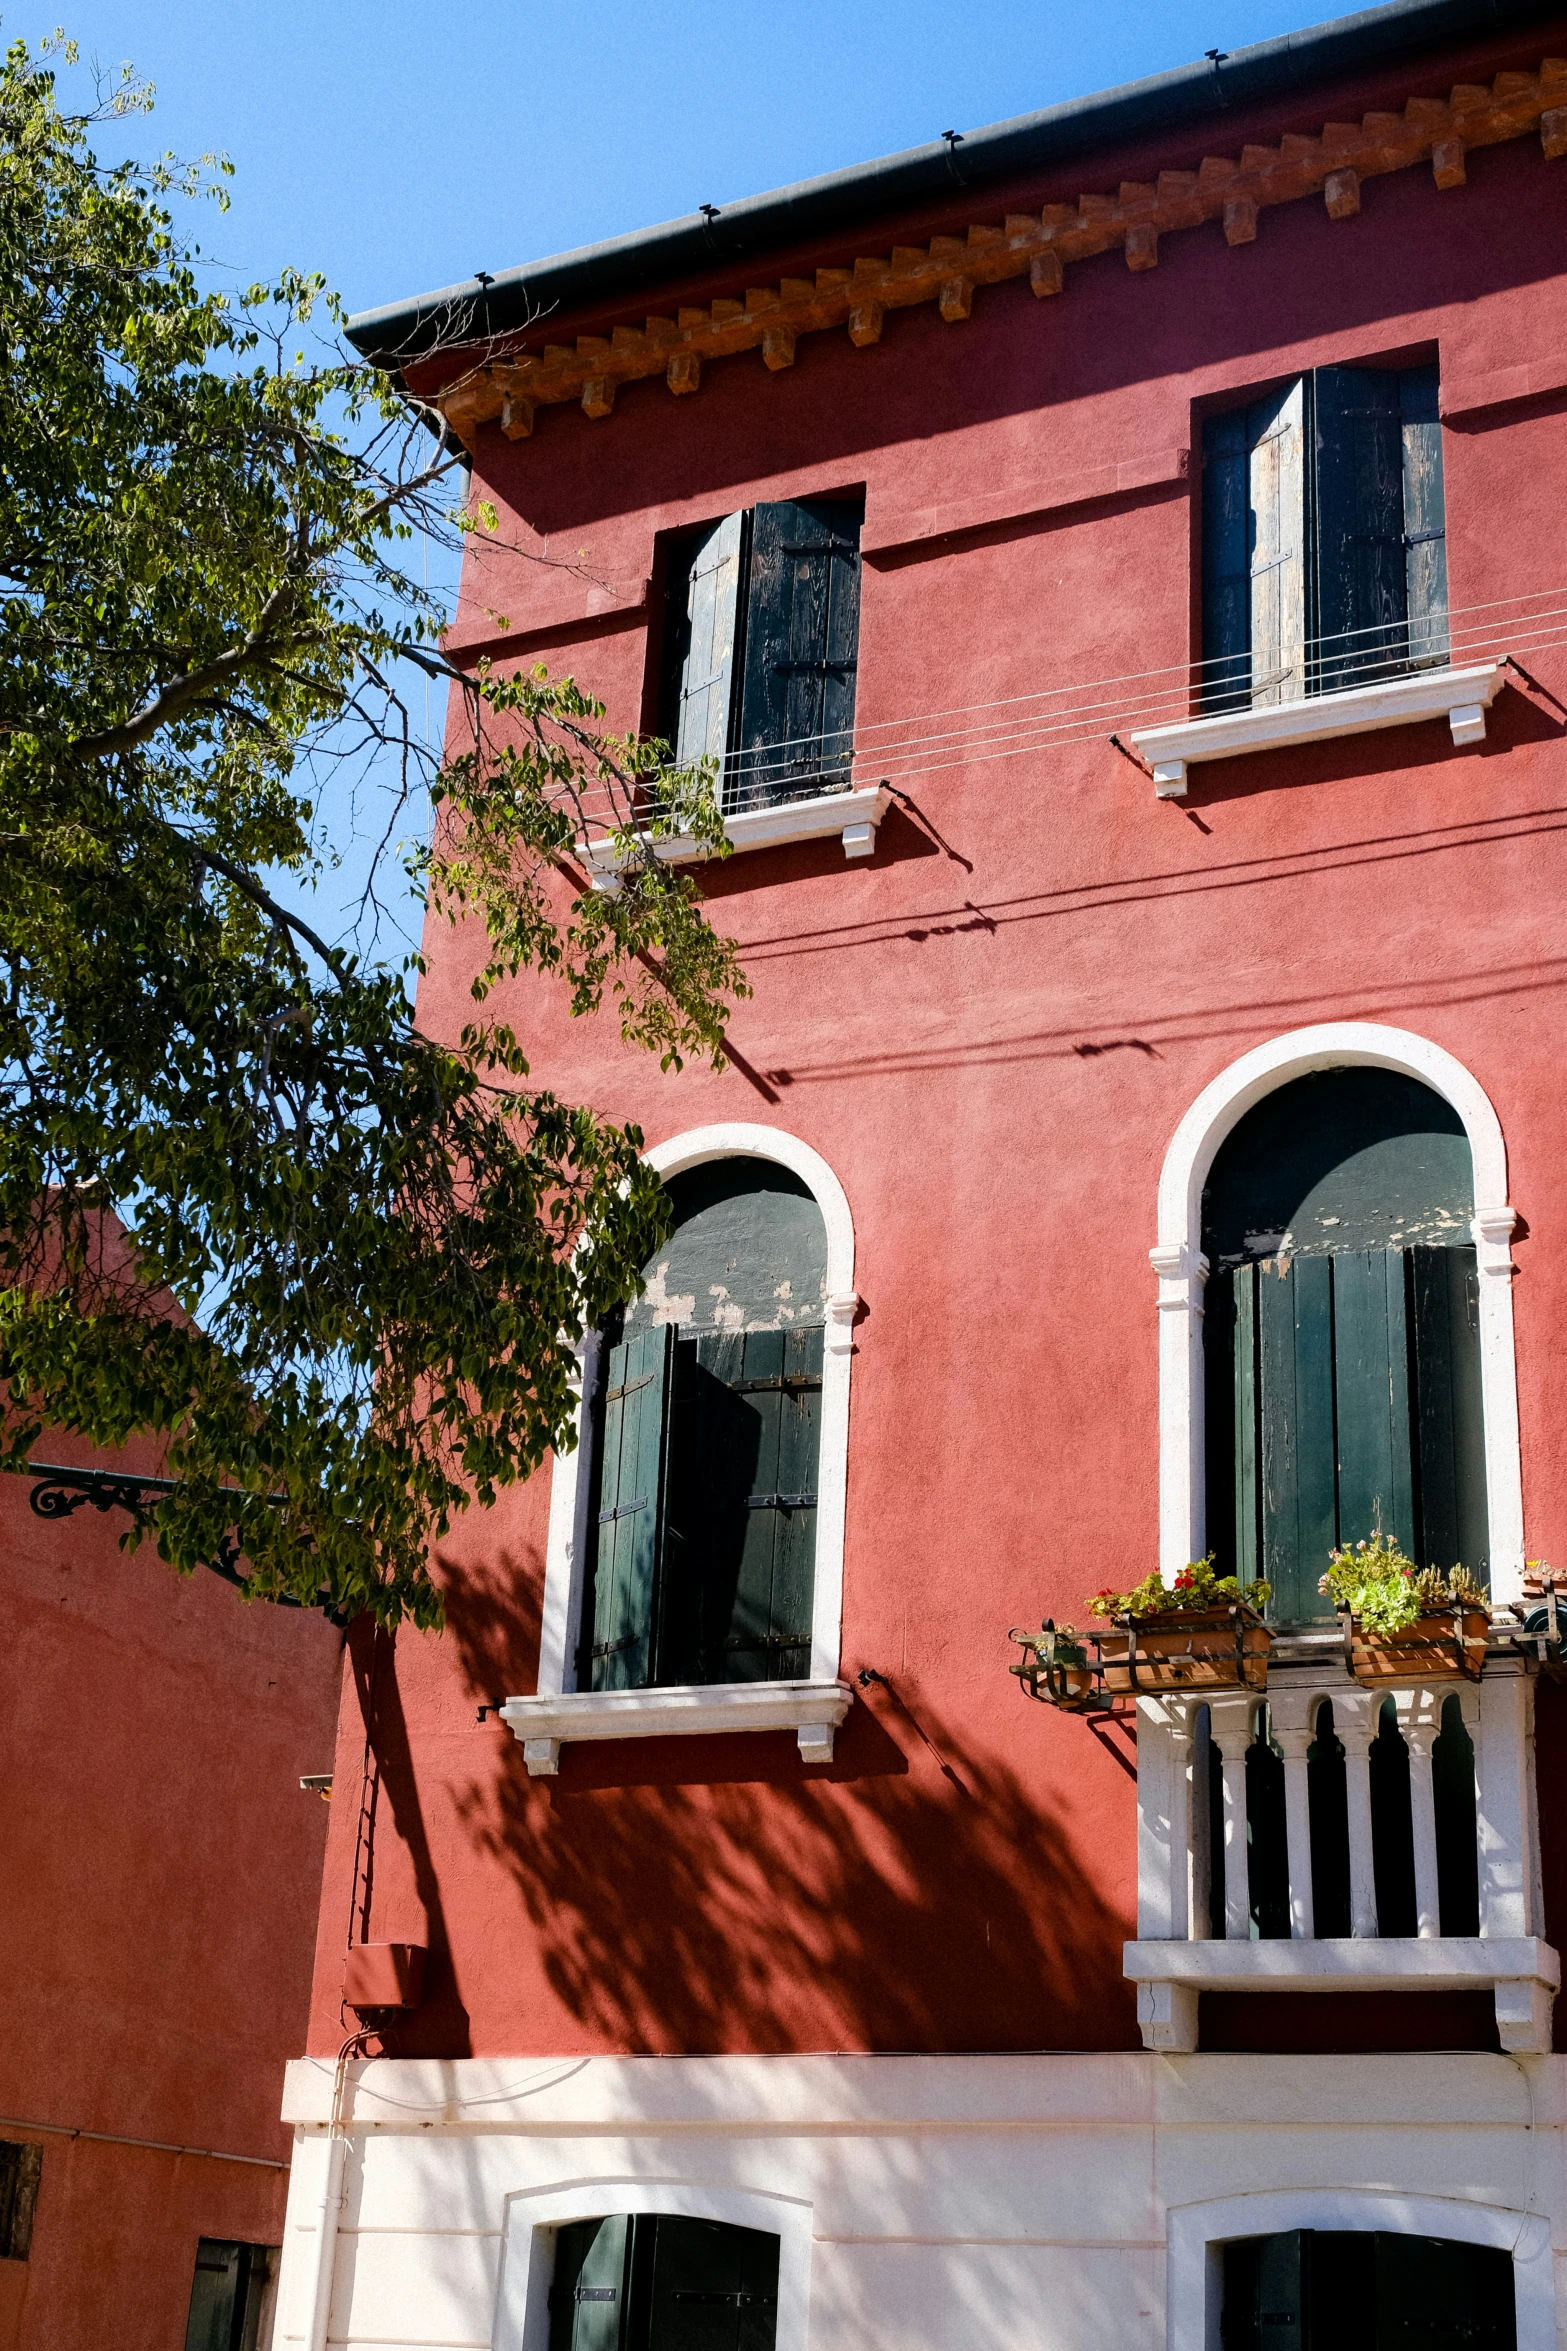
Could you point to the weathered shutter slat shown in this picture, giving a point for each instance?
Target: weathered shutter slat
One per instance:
(801, 649)
(707, 641)
(1371, 1394)
(1425, 517)
(1276, 470)
(629, 1547)
(1361, 572)
(1451, 1429)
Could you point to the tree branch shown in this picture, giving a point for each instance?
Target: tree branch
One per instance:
(182, 692)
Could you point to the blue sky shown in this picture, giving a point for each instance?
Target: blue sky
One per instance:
(398, 149)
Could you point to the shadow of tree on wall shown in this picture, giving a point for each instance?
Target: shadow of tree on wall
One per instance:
(710, 1893)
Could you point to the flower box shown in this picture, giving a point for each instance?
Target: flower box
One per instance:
(1187, 1649)
(1442, 1644)
(1055, 1668)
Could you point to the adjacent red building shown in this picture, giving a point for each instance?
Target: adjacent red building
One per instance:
(1114, 559)
(161, 1869)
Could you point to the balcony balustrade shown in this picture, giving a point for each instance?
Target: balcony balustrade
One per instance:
(1338, 1837)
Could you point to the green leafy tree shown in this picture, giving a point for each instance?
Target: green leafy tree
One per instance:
(338, 1266)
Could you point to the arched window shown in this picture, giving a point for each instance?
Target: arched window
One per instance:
(706, 1433)
(1342, 1333)
(694, 1568)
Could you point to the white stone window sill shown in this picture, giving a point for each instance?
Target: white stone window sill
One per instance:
(1461, 696)
(854, 816)
(812, 1710)
(1523, 1972)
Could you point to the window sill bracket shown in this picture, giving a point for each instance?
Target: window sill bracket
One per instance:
(545, 1724)
(1461, 696)
(853, 815)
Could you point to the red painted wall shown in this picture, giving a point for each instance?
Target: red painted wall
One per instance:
(162, 1872)
(990, 1031)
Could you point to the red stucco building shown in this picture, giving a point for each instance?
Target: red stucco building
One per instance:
(1116, 559)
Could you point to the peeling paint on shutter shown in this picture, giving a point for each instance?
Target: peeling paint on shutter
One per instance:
(1425, 518)
(1362, 591)
(706, 642)
(801, 649)
(1276, 464)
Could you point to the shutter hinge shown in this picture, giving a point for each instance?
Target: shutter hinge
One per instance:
(780, 1502)
(622, 1510)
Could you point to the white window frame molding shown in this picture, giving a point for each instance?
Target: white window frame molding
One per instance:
(1461, 696)
(1182, 1271)
(853, 815)
(532, 2218)
(559, 1712)
(1198, 2234)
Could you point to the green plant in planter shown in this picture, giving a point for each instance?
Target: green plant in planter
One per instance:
(1196, 1587)
(1384, 1590)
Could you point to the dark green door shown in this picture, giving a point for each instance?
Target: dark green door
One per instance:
(1364, 2290)
(715, 2288)
(592, 2276)
(663, 2284)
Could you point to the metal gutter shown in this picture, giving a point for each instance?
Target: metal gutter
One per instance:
(1028, 143)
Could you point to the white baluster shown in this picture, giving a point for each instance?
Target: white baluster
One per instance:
(1232, 1730)
(1355, 1721)
(1418, 1733)
(1297, 1816)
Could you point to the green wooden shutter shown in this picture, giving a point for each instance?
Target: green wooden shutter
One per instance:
(1226, 569)
(715, 2288)
(709, 587)
(1434, 2295)
(1425, 517)
(630, 1517)
(1265, 2293)
(745, 1441)
(1445, 1312)
(801, 649)
(589, 2292)
(1371, 1395)
(1361, 573)
(1295, 1380)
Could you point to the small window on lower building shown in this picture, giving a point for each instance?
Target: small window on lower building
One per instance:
(227, 2294)
(659, 2283)
(21, 2166)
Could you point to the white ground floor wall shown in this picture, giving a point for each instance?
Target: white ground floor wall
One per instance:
(1028, 2203)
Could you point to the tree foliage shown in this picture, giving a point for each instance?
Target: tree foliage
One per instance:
(359, 1256)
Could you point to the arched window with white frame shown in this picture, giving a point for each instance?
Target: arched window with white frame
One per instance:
(694, 1571)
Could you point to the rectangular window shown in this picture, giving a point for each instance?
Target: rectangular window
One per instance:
(1324, 537)
(226, 2295)
(762, 646)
